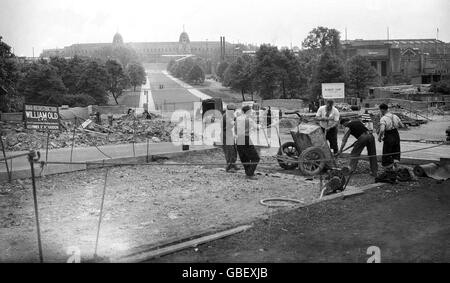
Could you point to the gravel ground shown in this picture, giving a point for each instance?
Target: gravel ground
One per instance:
(408, 222)
(143, 205)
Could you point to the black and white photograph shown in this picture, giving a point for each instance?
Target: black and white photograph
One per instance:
(242, 133)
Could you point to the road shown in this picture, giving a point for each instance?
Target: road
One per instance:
(165, 93)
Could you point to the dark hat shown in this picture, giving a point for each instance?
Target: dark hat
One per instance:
(246, 108)
(383, 106)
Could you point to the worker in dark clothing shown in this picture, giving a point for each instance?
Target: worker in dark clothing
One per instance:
(364, 139)
(389, 123)
(228, 138)
(269, 117)
(248, 154)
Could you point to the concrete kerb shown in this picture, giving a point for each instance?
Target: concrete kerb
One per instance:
(53, 169)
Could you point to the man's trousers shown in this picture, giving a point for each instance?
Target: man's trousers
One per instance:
(248, 154)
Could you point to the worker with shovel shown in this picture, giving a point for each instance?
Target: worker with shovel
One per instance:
(364, 139)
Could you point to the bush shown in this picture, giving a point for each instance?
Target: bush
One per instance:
(442, 87)
(196, 75)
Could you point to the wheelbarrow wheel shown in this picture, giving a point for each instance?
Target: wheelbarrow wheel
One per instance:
(288, 149)
(312, 161)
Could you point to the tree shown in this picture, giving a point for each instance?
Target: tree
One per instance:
(360, 74)
(171, 64)
(293, 77)
(196, 74)
(59, 63)
(183, 67)
(123, 54)
(117, 79)
(42, 84)
(267, 71)
(137, 75)
(94, 82)
(221, 69)
(329, 69)
(72, 73)
(9, 77)
(442, 87)
(240, 75)
(324, 39)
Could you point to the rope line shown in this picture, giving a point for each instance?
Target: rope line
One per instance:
(223, 164)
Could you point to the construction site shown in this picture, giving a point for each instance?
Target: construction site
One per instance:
(222, 152)
(156, 200)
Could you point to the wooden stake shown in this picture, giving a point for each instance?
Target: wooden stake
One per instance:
(181, 246)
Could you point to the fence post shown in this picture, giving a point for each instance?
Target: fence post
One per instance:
(11, 170)
(134, 135)
(31, 159)
(46, 149)
(101, 212)
(6, 160)
(146, 159)
(73, 138)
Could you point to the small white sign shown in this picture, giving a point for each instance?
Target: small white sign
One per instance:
(86, 123)
(333, 90)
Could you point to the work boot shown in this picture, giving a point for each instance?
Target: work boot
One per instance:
(252, 177)
(387, 176)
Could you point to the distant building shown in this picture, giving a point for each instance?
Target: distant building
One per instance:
(153, 52)
(416, 61)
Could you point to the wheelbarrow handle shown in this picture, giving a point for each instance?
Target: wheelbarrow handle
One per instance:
(348, 147)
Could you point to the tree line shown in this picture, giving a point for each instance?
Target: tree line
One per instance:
(285, 73)
(188, 69)
(75, 82)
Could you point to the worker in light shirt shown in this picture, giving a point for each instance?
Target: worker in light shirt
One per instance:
(389, 123)
(328, 117)
(245, 130)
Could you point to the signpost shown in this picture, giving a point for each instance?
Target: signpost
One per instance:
(333, 90)
(41, 117)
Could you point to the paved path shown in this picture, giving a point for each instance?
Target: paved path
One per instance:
(172, 96)
(143, 98)
(190, 88)
(86, 154)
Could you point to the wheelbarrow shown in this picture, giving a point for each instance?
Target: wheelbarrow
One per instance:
(309, 150)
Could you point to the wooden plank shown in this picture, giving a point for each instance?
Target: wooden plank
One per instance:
(181, 246)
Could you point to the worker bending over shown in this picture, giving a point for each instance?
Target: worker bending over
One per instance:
(364, 139)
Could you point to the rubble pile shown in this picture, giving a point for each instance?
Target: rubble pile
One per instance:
(122, 130)
(406, 120)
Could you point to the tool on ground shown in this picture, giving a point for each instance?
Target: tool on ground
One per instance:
(345, 149)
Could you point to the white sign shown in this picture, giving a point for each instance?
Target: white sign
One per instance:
(86, 123)
(333, 90)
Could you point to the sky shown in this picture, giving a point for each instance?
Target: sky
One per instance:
(44, 24)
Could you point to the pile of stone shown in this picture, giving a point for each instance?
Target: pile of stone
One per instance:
(123, 130)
